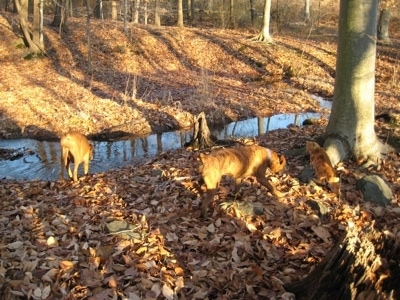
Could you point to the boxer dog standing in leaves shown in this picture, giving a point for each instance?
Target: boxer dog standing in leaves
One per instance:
(238, 162)
(76, 149)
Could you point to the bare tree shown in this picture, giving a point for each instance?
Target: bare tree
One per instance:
(383, 25)
(232, 21)
(136, 6)
(114, 10)
(364, 264)
(350, 128)
(145, 13)
(189, 12)
(180, 13)
(60, 15)
(98, 10)
(264, 35)
(3, 5)
(252, 12)
(34, 45)
(89, 44)
(125, 16)
(157, 21)
(37, 28)
(385, 12)
(307, 10)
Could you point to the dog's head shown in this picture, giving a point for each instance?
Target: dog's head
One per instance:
(278, 163)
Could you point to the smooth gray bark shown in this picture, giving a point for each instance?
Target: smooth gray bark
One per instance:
(350, 129)
(264, 35)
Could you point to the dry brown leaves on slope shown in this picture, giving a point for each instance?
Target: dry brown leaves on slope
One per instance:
(136, 233)
(154, 79)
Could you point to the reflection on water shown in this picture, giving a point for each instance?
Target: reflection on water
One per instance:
(258, 126)
(327, 104)
(44, 163)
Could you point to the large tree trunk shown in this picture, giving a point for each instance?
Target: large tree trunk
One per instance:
(264, 35)
(365, 264)
(350, 130)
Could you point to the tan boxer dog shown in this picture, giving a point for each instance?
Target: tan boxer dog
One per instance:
(238, 162)
(76, 149)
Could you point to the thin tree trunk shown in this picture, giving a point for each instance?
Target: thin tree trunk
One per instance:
(37, 35)
(126, 16)
(192, 8)
(146, 15)
(264, 35)
(89, 45)
(252, 12)
(70, 10)
(114, 12)
(98, 10)
(22, 8)
(383, 25)
(157, 21)
(60, 16)
(136, 12)
(189, 11)
(307, 11)
(232, 21)
(180, 13)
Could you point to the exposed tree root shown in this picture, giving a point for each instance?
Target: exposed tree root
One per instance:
(364, 264)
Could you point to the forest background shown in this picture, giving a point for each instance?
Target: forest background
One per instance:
(155, 78)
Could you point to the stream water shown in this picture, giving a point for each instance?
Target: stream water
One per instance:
(40, 159)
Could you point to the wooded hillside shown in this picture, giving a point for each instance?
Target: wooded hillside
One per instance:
(136, 232)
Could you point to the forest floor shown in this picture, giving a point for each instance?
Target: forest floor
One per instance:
(62, 239)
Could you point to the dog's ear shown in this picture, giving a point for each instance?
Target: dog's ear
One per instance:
(282, 159)
(201, 157)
